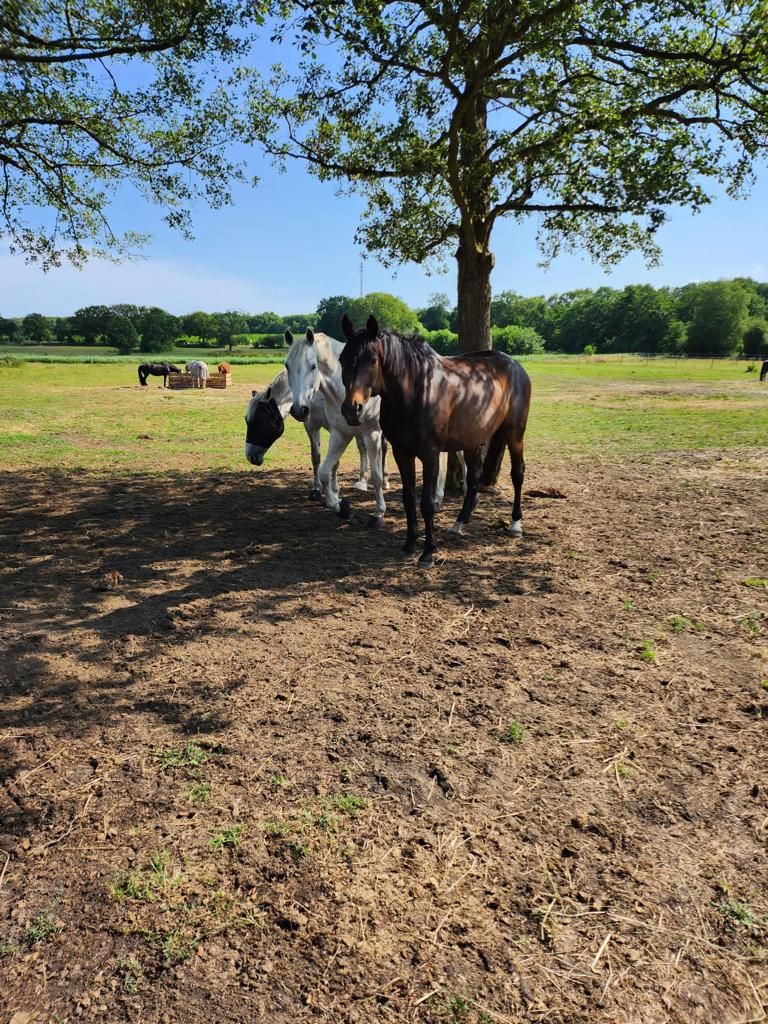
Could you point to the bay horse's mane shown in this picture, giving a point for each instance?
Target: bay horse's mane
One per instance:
(409, 354)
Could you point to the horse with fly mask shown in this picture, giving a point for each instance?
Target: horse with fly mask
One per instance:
(265, 424)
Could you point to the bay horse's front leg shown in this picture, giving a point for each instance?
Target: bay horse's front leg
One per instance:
(336, 448)
(431, 464)
(373, 445)
(407, 466)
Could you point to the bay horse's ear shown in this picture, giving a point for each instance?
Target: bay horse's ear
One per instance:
(347, 328)
(253, 393)
(288, 338)
(372, 327)
(309, 337)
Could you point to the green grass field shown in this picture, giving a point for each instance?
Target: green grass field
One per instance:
(94, 416)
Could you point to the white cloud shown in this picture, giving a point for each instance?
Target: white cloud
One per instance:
(174, 287)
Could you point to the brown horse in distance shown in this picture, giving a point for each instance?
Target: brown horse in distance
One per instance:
(431, 403)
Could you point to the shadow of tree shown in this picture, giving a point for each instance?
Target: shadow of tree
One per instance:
(100, 574)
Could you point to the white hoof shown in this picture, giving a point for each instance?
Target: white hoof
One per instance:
(457, 528)
(515, 529)
(360, 485)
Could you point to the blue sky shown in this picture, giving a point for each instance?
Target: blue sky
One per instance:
(290, 242)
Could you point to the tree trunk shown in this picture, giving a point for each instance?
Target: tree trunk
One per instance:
(474, 309)
(474, 295)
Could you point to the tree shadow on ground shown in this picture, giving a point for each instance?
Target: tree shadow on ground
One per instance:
(99, 574)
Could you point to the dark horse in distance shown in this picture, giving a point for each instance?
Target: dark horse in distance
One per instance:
(157, 370)
(432, 404)
(764, 371)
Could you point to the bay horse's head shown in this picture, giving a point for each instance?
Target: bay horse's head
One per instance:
(263, 426)
(301, 364)
(360, 367)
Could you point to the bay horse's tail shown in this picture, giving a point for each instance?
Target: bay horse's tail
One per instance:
(142, 377)
(492, 461)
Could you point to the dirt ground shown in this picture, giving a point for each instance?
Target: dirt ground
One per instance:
(255, 765)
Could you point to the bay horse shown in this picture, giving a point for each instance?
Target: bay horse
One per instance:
(764, 371)
(224, 368)
(156, 370)
(432, 404)
(313, 367)
(265, 424)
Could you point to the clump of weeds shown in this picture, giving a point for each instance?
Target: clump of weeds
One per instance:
(227, 838)
(191, 755)
(146, 885)
(130, 971)
(513, 734)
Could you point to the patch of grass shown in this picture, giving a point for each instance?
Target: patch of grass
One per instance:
(199, 792)
(757, 582)
(648, 651)
(43, 927)
(450, 1008)
(514, 734)
(191, 755)
(679, 623)
(279, 782)
(751, 623)
(145, 885)
(629, 605)
(739, 913)
(228, 837)
(764, 684)
(130, 971)
(348, 803)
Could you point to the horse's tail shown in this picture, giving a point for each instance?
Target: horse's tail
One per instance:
(764, 371)
(142, 378)
(492, 461)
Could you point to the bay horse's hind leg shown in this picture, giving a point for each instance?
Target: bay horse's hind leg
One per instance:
(472, 461)
(515, 528)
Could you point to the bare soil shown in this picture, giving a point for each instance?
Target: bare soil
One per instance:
(255, 765)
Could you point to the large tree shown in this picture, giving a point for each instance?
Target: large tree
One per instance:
(94, 94)
(594, 117)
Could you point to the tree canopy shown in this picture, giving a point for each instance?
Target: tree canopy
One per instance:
(95, 94)
(594, 117)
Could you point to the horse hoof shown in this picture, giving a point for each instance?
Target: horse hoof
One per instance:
(344, 510)
(426, 561)
(375, 523)
(515, 529)
(360, 485)
(457, 529)
(408, 549)
(314, 494)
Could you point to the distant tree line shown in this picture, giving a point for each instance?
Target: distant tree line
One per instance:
(715, 318)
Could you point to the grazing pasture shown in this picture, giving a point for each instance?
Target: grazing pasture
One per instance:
(254, 765)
